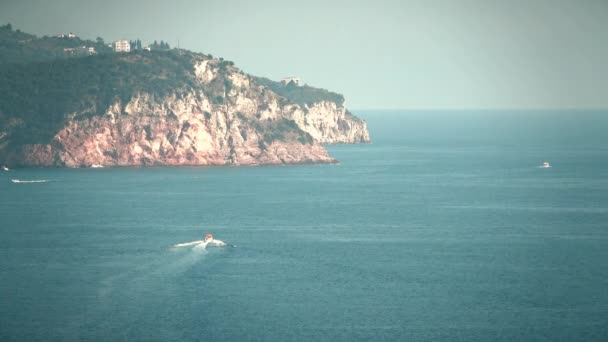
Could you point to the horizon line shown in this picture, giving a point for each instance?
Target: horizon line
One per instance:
(518, 109)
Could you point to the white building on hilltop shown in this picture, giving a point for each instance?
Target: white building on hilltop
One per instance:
(121, 46)
(69, 35)
(295, 80)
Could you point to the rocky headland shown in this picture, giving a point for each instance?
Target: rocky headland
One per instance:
(163, 108)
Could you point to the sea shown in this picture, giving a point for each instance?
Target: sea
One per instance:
(444, 228)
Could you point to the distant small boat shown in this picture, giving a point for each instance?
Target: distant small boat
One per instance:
(5, 168)
(545, 165)
(29, 181)
(96, 166)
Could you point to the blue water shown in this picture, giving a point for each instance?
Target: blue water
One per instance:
(443, 229)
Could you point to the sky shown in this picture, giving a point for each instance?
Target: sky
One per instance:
(433, 54)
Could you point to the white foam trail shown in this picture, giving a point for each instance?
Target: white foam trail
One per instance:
(216, 242)
(200, 247)
(143, 275)
(30, 181)
(193, 243)
(203, 244)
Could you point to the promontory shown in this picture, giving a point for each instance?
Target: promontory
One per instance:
(65, 102)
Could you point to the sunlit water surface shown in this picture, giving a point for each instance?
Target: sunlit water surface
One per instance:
(444, 228)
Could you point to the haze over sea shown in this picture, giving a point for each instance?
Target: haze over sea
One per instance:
(444, 228)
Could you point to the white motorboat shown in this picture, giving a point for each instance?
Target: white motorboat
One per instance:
(209, 241)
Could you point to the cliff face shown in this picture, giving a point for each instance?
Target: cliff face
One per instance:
(224, 118)
(171, 132)
(330, 123)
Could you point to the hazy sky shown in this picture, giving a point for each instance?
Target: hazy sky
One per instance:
(379, 54)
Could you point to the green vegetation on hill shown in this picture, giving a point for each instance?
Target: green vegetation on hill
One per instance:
(278, 130)
(302, 95)
(17, 47)
(41, 93)
(283, 130)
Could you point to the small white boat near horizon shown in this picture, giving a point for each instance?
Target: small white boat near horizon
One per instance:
(29, 181)
(5, 168)
(96, 166)
(545, 165)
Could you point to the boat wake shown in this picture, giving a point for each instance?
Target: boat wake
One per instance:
(202, 244)
(30, 181)
(193, 243)
(137, 279)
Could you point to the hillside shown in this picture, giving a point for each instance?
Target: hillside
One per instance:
(160, 107)
(43, 92)
(17, 47)
(302, 95)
